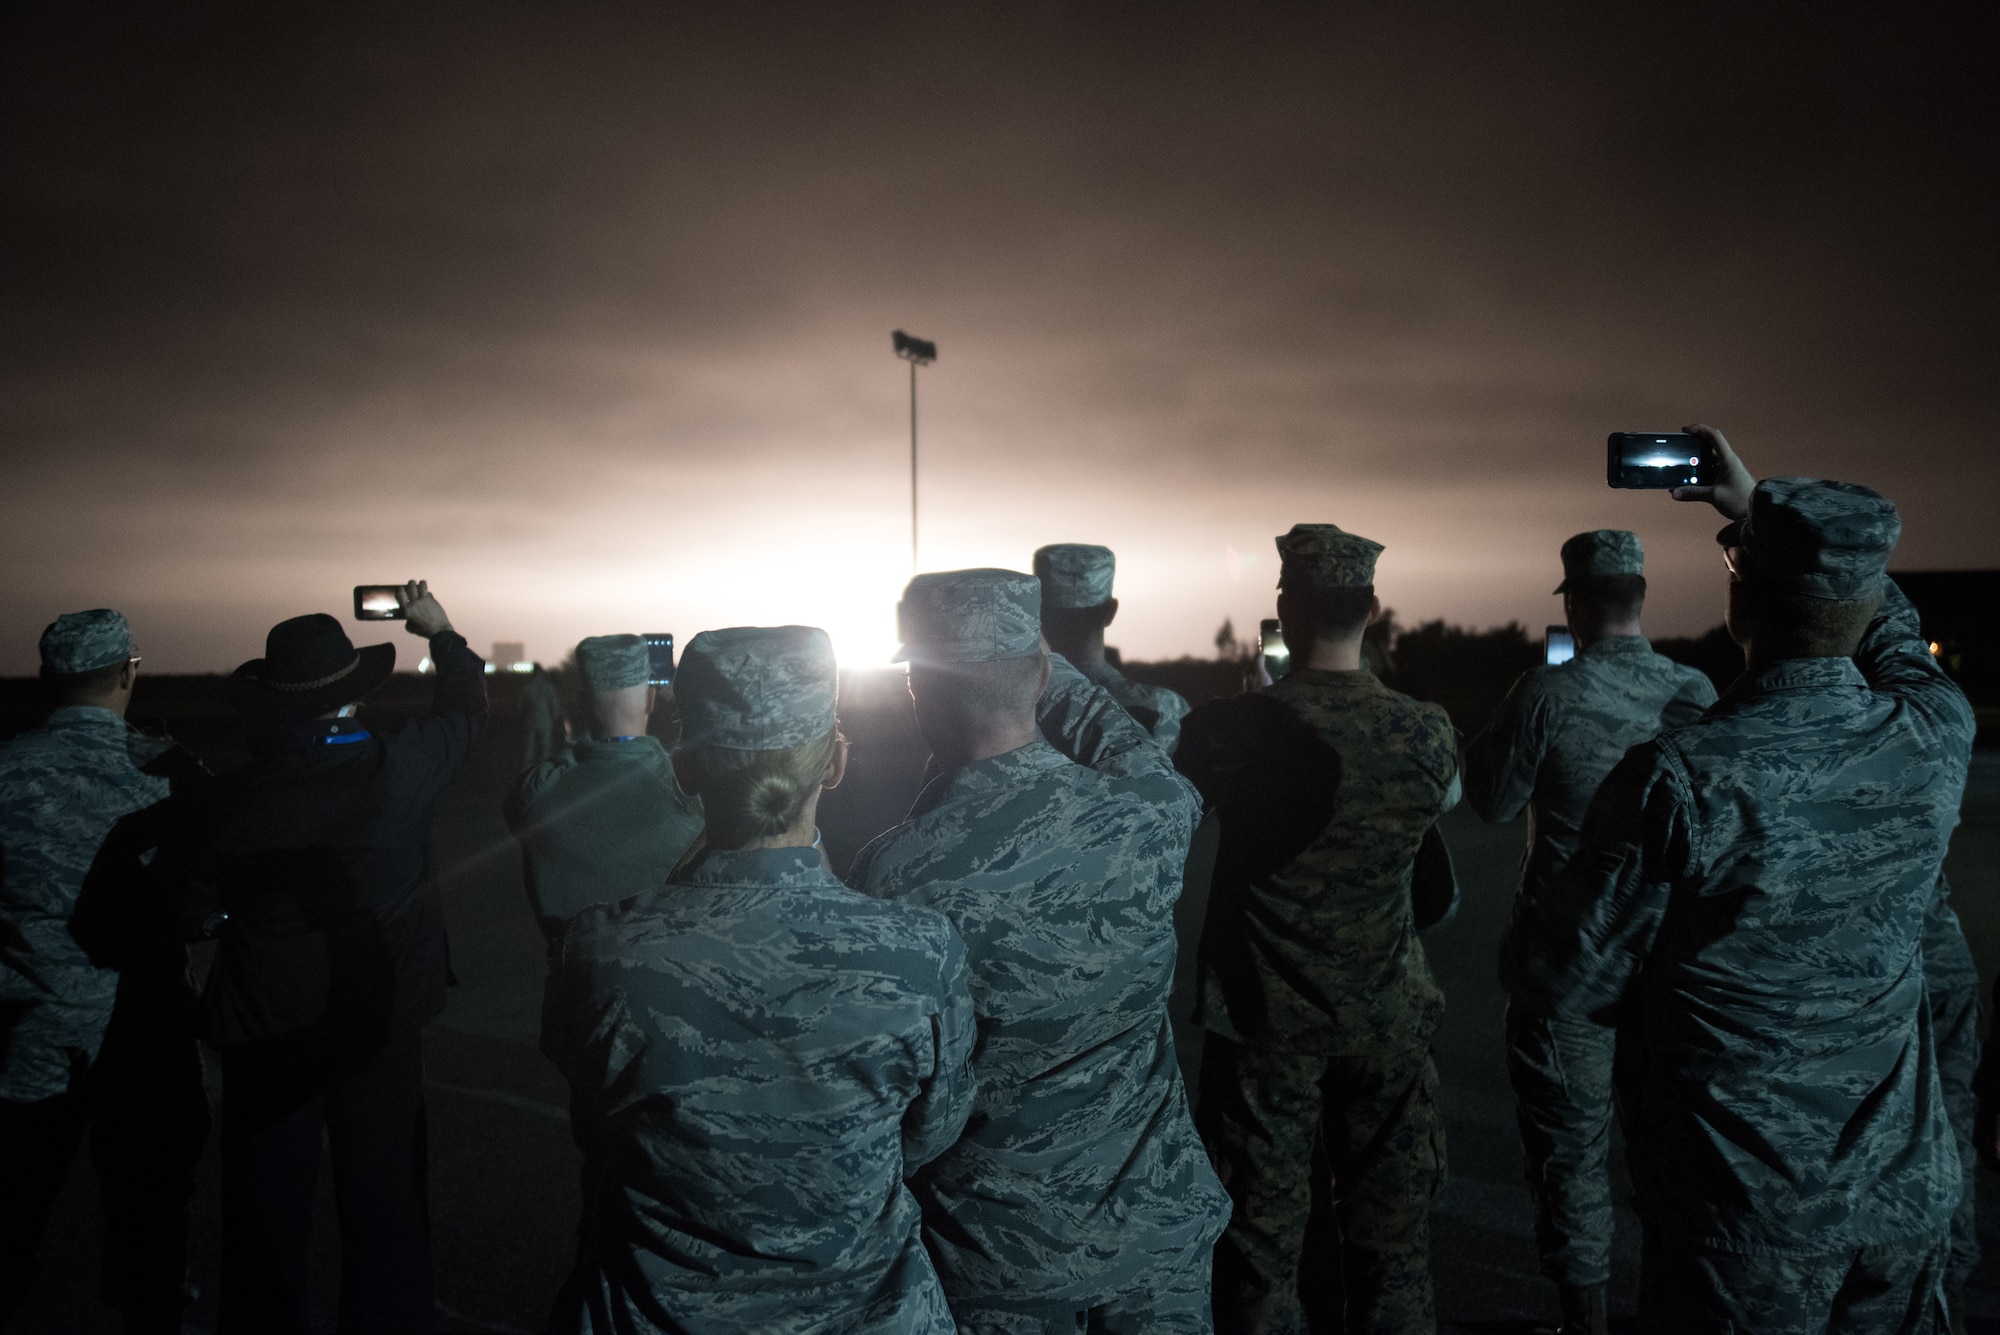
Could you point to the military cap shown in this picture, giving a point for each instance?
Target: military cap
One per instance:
(613, 662)
(86, 641)
(1822, 539)
(1075, 574)
(757, 688)
(1602, 551)
(969, 616)
(1324, 556)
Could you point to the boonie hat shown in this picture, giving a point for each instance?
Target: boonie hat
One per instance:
(969, 616)
(757, 688)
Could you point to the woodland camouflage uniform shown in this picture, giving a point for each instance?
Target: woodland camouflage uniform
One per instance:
(1315, 993)
(1080, 1193)
(1560, 730)
(1751, 896)
(762, 1055)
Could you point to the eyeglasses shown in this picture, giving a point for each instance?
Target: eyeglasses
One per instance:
(1733, 558)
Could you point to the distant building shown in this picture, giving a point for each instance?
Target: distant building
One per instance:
(509, 656)
(1960, 610)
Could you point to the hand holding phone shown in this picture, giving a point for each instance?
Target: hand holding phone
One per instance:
(1658, 460)
(1729, 491)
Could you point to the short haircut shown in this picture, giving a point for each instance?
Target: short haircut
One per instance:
(85, 685)
(1611, 597)
(1797, 625)
(749, 795)
(1337, 612)
(977, 693)
(1065, 623)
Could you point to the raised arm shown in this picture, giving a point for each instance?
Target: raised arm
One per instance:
(1895, 658)
(1082, 721)
(440, 743)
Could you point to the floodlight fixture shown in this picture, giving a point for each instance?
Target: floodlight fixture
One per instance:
(917, 351)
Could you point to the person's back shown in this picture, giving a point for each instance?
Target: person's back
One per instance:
(604, 818)
(1077, 608)
(1315, 994)
(330, 959)
(1559, 732)
(96, 1032)
(1079, 1190)
(757, 1053)
(1750, 901)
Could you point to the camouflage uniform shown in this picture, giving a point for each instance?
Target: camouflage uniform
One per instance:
(1315, 993)
(1560, 730)
(1078, 575)
(763, 1054)
(1080, 1192)
(1750, 895)
(71, 1052)
(1951, 981)
(604, 819)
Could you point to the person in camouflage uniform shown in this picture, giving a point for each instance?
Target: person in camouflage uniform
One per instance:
(1750, 892)
(1951, 982)
(603, 819)
(1556, 735)
(90, 1037)
(1315, 993)
(1053, 838)
(763, 1054)
(1077, 607)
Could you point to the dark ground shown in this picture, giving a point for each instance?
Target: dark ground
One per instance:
(503, 1169)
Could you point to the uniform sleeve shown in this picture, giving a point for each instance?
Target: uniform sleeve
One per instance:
(1500, 764)
(931, 1124)
(1083, 721)
(1897, 661)
(1690, 702)
(432, 748)
(1167, 731)
(1601, 917)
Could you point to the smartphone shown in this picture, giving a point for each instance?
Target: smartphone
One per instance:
(1271, 644)
(1658, 459)
(1558, 645)
(660, 658)
(377, 602)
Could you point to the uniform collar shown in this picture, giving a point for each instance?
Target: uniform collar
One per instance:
(1618, 646)
(1099, 672)
(802, 867)
(1326, 677)
(94, 718)
(1797, 674)
(644, 746)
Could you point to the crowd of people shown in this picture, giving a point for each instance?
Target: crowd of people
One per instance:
(941, 1094)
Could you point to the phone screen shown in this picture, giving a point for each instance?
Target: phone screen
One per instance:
(660, 658)
(1559, 646)
(1659, 459)
(1271, 644)
(377, 602)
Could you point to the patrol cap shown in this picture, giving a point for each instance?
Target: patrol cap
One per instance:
(1602, 551)
(1822, 539)
(1075, 574)
(613, 662)
(85, 641)
(1325, 556)
(757, 688)
(969, 616)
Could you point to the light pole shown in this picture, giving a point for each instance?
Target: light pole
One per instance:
(917, 352)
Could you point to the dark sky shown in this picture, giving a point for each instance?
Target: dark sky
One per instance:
(584, 313)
